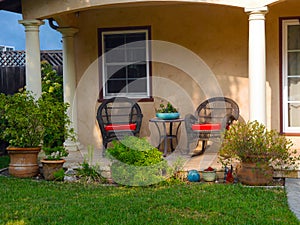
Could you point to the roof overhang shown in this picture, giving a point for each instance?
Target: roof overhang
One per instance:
(11, 5)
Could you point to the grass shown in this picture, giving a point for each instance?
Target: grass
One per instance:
(4, 161)
(26, 201)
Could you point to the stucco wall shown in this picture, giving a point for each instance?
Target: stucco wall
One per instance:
(217, 35)
(289, 8)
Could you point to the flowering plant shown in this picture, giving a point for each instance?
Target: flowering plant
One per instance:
(55, 153)
(209, 169)
(54, 111)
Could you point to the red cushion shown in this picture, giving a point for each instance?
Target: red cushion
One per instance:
(131, 126)
(207, 126)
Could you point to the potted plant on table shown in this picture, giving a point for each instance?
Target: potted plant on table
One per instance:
(167, 112)
(24, 132)
(258, 150)
(55, 121)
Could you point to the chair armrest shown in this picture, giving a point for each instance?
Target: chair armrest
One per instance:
(227, 121)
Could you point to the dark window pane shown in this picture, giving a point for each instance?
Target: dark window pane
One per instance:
(136, 54)
(136, 70)
(293, 37)
(113, 40)
(294, 63)
(137, 86)
(116, 72)
(135, 37)
(115, 55)
(116, 86)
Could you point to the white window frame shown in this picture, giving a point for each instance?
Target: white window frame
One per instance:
(285, 100)
(104, 73)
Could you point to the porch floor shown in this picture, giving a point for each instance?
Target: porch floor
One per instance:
(199, 162)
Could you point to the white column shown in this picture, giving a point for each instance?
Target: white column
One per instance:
(33, 56)
(257, 64)
(69, 79)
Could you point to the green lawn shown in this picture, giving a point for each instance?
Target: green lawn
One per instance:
(25, 201)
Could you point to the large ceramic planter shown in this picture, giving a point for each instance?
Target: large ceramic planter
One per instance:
(23, 161)
(50, 167)
(253, 174)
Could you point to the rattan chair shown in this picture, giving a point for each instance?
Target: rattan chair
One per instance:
(210, 119)
(118, 117)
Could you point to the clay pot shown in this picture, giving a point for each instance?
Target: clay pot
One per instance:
(255, 174)
(50, 167)
(23, 161)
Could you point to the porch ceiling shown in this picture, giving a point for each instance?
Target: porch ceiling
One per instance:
(42, 9)
(11, 5)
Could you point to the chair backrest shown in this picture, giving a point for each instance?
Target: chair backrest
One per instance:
(118, 110)
(215, 109)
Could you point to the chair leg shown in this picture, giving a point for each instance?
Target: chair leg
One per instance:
(104, 148)
(204, 145)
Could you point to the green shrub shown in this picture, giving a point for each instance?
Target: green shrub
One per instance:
(253, 142)
(24, 120)
(55, 119)
(136, 162)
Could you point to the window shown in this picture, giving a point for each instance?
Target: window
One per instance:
(125, 67)
(291, 76)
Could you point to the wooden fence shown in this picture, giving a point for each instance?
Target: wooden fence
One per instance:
(12, 68)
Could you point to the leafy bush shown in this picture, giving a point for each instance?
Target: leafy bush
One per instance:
(253, 142)
(54, 111)
(135, 151)
(24, 120)
(136, 162)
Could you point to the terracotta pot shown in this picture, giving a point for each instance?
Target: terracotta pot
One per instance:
(50, 167)
(23, 161)
(253, 174)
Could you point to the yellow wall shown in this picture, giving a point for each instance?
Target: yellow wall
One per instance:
(218, 35)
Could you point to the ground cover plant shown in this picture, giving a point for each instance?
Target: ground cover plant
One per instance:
(27, 201)
(136, 162)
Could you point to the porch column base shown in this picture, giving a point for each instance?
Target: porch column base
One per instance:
(71, 146)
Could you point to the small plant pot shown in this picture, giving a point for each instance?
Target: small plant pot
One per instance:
(209, 176)
(50, 167)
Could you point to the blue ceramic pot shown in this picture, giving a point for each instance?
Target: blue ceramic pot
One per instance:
(167, 116)
(193, 176)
